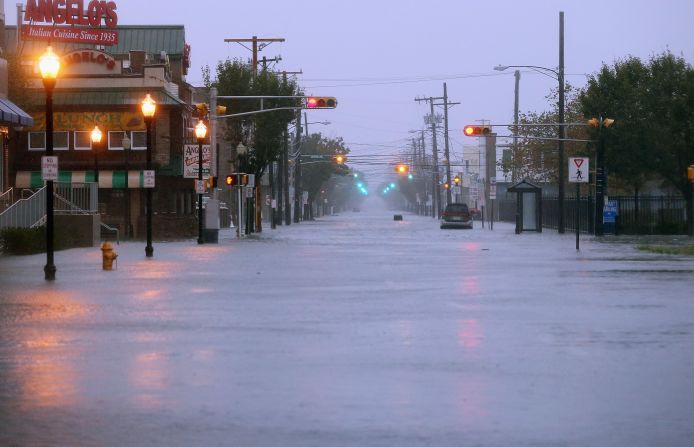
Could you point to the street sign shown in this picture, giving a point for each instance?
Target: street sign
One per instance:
(148, 180)
(492, 188)
(199, 186)
(49, 167)
(578, 169)
(610, 212)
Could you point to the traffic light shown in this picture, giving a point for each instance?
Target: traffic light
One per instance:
(201, 111)
(605, 122)
(221, 110)
(237, 179)
(476, 131)
(690, 173)
(340, 159)
(456, 180)
(402, 169)
(321, 102)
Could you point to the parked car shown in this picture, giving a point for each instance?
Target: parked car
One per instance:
(456, 215)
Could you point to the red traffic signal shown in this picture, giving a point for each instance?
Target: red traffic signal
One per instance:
(321, 102)
(476, 131)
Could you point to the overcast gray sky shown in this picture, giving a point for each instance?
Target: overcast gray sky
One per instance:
(368, 53)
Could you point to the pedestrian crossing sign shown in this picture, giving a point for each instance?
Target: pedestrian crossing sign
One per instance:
(578, 169)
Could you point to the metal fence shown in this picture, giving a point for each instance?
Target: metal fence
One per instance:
(69, 198)
(25, 213)
(642, 215)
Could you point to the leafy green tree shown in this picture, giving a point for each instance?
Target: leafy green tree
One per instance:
(653, 108)
(262, 132)
(617, 92)
(315, 173)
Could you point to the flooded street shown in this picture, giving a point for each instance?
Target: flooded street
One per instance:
(351, 330)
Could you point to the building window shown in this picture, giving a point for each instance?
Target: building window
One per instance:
(139, 140)
(115, 140)
(83, 141)
(61, 141)
(37, 141)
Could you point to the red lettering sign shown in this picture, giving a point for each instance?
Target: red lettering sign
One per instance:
(89, 56)
(72, 12)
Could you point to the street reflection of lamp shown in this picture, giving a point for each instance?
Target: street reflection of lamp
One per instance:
(149, 107)
(96, 135)
(200, 134)
(49, 66)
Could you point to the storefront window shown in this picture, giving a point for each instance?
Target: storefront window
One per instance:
(83, 141)
(115, 140)
(139, 139)
(37, 141)
(61, 141)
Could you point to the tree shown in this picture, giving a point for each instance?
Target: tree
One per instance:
(315, 173)
(262, 132)
(617, 92)
(536, 156)
(653, 106)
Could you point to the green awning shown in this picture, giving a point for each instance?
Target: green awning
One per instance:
(105, 97)
(107, 179)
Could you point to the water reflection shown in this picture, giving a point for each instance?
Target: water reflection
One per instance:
(469, 334)
(47, 378)
(149, 377)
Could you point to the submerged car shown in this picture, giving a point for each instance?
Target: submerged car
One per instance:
(456, 215)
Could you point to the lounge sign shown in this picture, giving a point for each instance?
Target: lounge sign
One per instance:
(83, 22)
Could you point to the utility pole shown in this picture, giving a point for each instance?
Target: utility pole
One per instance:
(284, 172)
(297, 171)
(437, 189)
(560, 222)
(257, 44)
(514, 154)
(446, 104)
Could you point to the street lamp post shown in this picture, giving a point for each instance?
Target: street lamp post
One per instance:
(200, 134)
(149, 107)
(559, 76)
(49, 66)
(96, 136)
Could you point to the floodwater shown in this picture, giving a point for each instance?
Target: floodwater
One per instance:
(352, 330)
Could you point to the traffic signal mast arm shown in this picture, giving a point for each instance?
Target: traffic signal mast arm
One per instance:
(320, 102)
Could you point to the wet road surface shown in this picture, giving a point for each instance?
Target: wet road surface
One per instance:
(353, 330)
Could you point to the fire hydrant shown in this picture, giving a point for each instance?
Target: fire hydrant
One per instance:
(107, 255)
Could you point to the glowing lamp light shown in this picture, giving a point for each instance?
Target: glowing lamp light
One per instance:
(149, 107)
(49, 64)
(200, 130)
(96, 135)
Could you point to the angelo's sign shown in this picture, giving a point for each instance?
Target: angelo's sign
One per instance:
(84, 21)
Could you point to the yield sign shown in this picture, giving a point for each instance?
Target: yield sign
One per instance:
(578, 169)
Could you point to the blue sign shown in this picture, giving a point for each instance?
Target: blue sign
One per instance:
(610, 212)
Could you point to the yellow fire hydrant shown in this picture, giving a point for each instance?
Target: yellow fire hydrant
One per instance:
(107, 255)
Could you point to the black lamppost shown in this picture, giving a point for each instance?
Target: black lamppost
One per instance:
(149, 107)
(96, 135)
(200, 134)
(49, 66)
